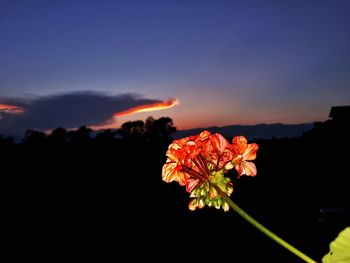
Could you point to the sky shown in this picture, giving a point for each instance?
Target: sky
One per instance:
(72, 63)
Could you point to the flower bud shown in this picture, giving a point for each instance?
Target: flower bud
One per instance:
(201, 203)
(229, 190)
(225, 206)
(192, 204)
(216, 204)
(212, 192)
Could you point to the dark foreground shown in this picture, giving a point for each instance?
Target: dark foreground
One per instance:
(103, 200)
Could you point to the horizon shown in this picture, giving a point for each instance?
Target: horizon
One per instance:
(293, 130)
(84, 62)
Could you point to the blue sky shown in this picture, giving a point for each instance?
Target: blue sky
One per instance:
(228, 62)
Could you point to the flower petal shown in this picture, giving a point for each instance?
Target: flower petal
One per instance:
(191, 184)
(250, 153)
(172, 172)
(203, 136)
(219, 142)
(247, 168)
(239, 144)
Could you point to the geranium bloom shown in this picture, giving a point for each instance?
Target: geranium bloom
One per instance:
(200, 163)
(244, 153)
(182, 153)
(218, 151)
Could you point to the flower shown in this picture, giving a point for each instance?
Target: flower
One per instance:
(218, 151)
(200, 163)
(182, 153)
(244, 153)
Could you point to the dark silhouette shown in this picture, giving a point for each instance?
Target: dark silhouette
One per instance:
(70, 196)
(155, 131)
(253, 132)
(59, 135)
(340, 113)
(132, 130)
(106, 136)
(160, 129)
(32, 136)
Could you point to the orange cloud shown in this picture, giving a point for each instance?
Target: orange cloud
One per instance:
(162, 105)
(11, 108)
(166, 104)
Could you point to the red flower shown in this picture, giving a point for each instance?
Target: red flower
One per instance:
(182, 153)
(243, 154)
(172, 172)
(219, 152)
(200, 163)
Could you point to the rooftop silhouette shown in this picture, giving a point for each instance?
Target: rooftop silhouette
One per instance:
(340, 113)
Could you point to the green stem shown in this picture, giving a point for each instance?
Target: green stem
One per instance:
(262, 228)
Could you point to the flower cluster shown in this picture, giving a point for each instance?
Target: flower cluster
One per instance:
(201, 162)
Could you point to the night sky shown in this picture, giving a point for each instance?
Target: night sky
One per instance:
(227, 62)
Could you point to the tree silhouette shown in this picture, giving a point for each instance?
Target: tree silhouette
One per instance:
(106, 136)
(152, 130)
(81, 135)
(164, 127)
(58, 135)
(132, 130)
(33, 137)
(6, 140)
(159, 130)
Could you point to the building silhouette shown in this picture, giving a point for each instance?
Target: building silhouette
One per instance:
(340, 113)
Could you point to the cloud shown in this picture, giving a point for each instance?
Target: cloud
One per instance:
(69, 110)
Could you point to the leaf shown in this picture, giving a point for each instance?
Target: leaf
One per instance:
(339, 249)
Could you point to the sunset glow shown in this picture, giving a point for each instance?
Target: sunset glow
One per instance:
(166, 104)
(135, 57)
(11, 108)
(112, 123)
